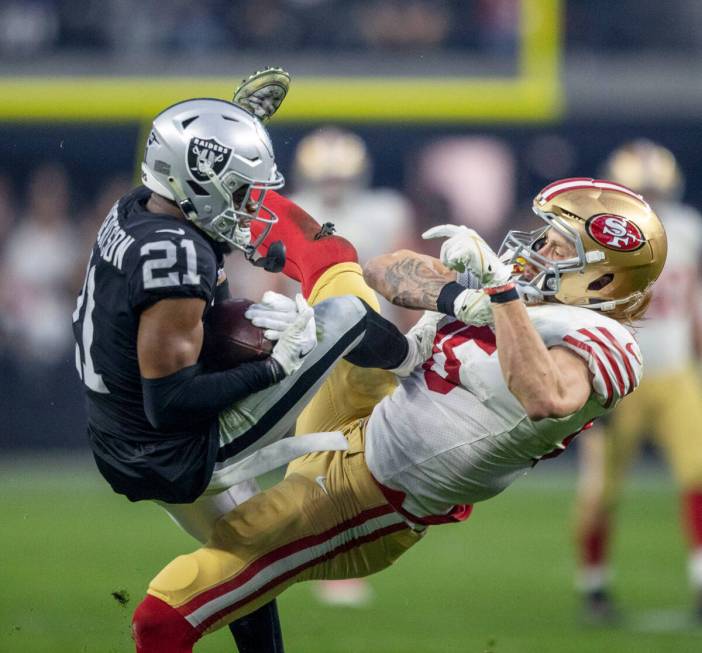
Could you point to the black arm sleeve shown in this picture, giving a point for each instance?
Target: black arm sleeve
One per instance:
(383, 344)
(189, 397)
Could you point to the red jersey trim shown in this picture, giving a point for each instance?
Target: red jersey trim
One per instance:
(603, 370)
(396, 498)
(625, 356)
(612, 360)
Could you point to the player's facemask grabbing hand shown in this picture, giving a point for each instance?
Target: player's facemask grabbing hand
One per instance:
(216, 161)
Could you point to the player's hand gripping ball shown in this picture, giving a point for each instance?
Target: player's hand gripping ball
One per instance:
(230, 338)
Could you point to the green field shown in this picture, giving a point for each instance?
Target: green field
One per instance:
(500, 583)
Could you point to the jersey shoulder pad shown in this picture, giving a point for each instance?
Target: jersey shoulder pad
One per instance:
(171, 259)
(609, 349)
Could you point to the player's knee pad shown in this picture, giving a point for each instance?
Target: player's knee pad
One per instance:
(159, 628)
(187, 574)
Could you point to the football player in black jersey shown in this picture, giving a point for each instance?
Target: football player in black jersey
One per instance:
(152, 413)
(160, 427)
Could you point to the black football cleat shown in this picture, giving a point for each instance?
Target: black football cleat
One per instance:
(599, 609)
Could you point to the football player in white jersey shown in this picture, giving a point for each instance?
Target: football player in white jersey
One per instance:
(668, 406)
(462, 424)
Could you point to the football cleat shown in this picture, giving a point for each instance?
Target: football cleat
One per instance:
(599, 609)
(263, 92)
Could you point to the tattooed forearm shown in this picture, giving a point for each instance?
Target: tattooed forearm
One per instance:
(408, 279)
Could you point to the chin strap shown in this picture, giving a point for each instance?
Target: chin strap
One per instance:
(184, 203)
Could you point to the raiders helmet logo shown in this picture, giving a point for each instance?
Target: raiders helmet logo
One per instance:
(205, 153)
(615, 232)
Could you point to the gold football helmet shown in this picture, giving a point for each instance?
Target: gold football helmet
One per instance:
(619, 241)
(647, 168)
(331, 154)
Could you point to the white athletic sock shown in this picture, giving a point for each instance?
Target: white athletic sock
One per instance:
(694, 567)
(593, 578)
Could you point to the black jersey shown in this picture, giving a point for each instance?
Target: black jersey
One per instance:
(139, 258)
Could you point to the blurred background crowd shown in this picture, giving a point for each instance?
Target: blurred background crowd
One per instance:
(128, 27)
(382, 184)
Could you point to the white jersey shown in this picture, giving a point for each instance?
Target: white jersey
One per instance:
(452, 433)
(666, 335)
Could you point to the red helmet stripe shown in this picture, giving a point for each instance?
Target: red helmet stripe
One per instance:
(561, 181)
(577, 183)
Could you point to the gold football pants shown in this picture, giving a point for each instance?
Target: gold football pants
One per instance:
(666, 408)
(326, 520)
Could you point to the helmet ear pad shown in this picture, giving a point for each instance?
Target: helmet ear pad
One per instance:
(601, 282)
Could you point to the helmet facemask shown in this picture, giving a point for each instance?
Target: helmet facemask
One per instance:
(243, 201)
(521, 248)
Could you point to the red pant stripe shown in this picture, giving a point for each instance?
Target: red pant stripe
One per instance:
(281, 552)
(291, 573)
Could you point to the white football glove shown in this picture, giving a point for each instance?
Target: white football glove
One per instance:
(420, 339)
(466, 250)
(275, 312)
(473, 307)
(297, 340)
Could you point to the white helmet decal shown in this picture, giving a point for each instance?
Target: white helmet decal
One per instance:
(615, 232)
(202, 153)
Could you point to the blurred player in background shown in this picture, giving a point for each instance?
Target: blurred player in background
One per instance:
(668, 405)
(331, 175)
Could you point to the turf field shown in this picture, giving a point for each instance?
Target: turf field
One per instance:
(500, 583)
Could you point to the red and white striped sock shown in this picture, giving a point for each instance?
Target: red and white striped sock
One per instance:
(593, 547)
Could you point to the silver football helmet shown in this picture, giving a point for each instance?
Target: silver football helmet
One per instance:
(215, 160)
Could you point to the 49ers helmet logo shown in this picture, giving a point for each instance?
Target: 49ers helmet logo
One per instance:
(615, 232)
(204, 153)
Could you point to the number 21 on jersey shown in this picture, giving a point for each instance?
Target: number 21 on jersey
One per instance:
(160, 257)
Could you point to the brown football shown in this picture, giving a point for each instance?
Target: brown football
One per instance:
(230, 338)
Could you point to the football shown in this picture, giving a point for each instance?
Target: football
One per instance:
(231, 339)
